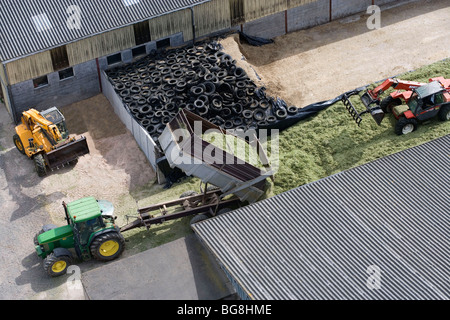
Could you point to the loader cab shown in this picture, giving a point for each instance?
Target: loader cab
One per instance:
(424, 100)
(56, 117)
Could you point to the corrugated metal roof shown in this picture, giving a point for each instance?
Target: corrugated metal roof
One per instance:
(318, 240)
(20, 21)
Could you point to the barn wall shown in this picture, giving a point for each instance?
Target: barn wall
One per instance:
(84, 84)
(211, 17)
(101, 45)
(169, 24)
(29, 67)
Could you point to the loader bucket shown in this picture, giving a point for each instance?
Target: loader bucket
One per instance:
(377, 115)
(66, 153)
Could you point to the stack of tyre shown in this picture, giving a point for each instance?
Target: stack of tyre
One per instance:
(202, 79)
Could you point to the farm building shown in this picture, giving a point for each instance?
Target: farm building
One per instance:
(371, 232)
(51, 54)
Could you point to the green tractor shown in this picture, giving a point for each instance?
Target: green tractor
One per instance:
(90, 233)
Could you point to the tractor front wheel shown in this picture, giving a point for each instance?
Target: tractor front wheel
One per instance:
(444, 113)
(56, 266)
(39, 165)
(108, 246)
(405, 126)
(18, 143)
(388, 103)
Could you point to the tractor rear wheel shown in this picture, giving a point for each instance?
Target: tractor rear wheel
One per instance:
(405, 126)
(444, 113)
(56, 266)
(39, 165)
(108, 246)
(18, 143)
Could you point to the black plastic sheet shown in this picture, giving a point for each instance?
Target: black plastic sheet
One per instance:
(254, 41)
(302, 114)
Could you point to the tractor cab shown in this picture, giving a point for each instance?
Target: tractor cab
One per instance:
(90, 232)
(424, 100)
(56, 117)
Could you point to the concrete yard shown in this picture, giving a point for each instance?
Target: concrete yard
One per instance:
(179, 270)
(301, 67)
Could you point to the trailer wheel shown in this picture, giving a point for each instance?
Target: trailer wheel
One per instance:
(198, 218)
(405, 126)
(39, 165)
(223, 210)
(56, 266)
(444, 113)
(18, 143)
(189, 193)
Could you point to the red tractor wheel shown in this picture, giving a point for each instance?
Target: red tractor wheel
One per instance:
(405, 126)
(388, 103)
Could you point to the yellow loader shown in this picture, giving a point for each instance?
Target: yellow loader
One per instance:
(44, 138)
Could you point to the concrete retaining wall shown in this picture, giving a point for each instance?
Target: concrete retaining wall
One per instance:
(309, 15)
(267, 27)
(142, 137)
(84, 84)
(344, 8)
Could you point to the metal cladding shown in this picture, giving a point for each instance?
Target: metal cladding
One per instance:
(33, 26)
(377, 231)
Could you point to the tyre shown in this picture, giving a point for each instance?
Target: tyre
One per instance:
(223, 210)
(248, 114)
(39, 165)
(198, 218)
(292, 110)
(271, 119)
(405, 126)
(56, 266)
(18, 143)
(444, 113)
(259, 115)
(281, 114)
(388, 103)
(189, 193)
(108, 246)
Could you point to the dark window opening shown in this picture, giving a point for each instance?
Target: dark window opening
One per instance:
(115, 58)
(40, 82)
(60, 60)
(141, 32)
(139, 51)
(66, 73)
(163, 43)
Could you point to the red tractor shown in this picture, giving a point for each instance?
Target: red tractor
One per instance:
(412, 102)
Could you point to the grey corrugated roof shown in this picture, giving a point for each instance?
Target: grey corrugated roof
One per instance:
(19, 36)
(317, 241)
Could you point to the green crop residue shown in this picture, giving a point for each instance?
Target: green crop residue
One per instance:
(332, 142)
